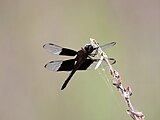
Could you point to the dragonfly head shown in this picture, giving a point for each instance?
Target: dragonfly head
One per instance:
(88, 48)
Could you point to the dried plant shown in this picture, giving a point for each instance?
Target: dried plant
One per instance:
(117, 82)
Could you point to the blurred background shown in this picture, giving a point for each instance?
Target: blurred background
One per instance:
(30, 92)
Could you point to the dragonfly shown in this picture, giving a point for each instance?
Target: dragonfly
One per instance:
(83, 59)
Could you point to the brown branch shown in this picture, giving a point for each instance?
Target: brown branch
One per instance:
(117, 82)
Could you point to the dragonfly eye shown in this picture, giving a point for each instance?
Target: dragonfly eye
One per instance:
(88, 48)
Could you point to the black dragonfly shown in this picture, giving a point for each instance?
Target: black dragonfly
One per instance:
(82, 61)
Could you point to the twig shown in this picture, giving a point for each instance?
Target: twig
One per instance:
(117, 82)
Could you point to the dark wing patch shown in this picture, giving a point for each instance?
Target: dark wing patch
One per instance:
(66, 65)
(58, 50)
(69, 52)
(91, 63)
(86, 64)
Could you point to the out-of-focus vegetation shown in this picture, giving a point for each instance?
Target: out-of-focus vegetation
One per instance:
(30, 92)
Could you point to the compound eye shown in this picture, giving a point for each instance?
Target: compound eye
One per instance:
(90, 47)
(86, 47)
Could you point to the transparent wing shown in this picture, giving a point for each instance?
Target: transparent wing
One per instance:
(108, 45)
(58, 50)
(68, 65)
(60, 65)
(105, 46)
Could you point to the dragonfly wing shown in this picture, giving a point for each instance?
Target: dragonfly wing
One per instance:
(60, 65)
(58, 50)
(86, 64)
(108, 45)
(105, 46)
(90, 64)
(68, 65)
